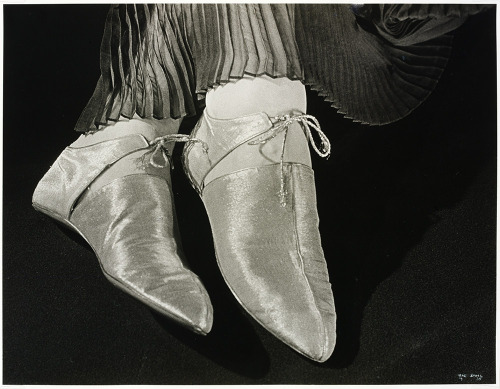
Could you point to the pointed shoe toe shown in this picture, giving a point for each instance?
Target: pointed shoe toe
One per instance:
(130, 223)
(134, 241)
(186, 300)
(270, 255)
(176, 293)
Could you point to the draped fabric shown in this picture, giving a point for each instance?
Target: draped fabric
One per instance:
(374, 63)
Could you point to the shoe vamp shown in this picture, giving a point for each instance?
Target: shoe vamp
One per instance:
(274, 268)
(129, 224)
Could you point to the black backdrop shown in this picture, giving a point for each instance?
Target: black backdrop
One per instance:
(407, 218)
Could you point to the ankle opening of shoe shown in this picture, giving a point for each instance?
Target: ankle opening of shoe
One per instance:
(285, 141)
(149, 128)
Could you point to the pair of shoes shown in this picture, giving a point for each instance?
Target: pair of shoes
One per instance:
(135, 241)
(265, 225)
(263, 217)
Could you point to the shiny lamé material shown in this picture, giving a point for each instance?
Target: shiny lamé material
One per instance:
(130, 223)
(268, 251)
(271, 256)
(135, 241)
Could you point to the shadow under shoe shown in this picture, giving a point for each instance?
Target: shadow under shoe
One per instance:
(130, 224)
(265, 228)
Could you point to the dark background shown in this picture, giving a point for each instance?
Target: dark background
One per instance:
(407, 218)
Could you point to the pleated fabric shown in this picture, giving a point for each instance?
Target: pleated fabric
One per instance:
(361, 74)
(374, 63)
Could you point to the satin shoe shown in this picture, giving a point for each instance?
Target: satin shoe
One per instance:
(130, 223)
(265, 224)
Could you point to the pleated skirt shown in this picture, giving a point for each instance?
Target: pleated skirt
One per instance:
(159, 60)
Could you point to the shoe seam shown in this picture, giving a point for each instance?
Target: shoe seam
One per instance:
(321, 323)
(97, 192)
(225, 176)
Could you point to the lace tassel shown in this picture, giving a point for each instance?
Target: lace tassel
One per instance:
(158, 149)
(282, 124)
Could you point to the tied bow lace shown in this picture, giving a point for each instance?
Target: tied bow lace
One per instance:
(282, 124)
(158, 149)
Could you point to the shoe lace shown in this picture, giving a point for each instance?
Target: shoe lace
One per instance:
(282, 124)
(158, 149)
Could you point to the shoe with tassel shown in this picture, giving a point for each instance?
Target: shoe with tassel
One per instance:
(262, 211)
(130, 223)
